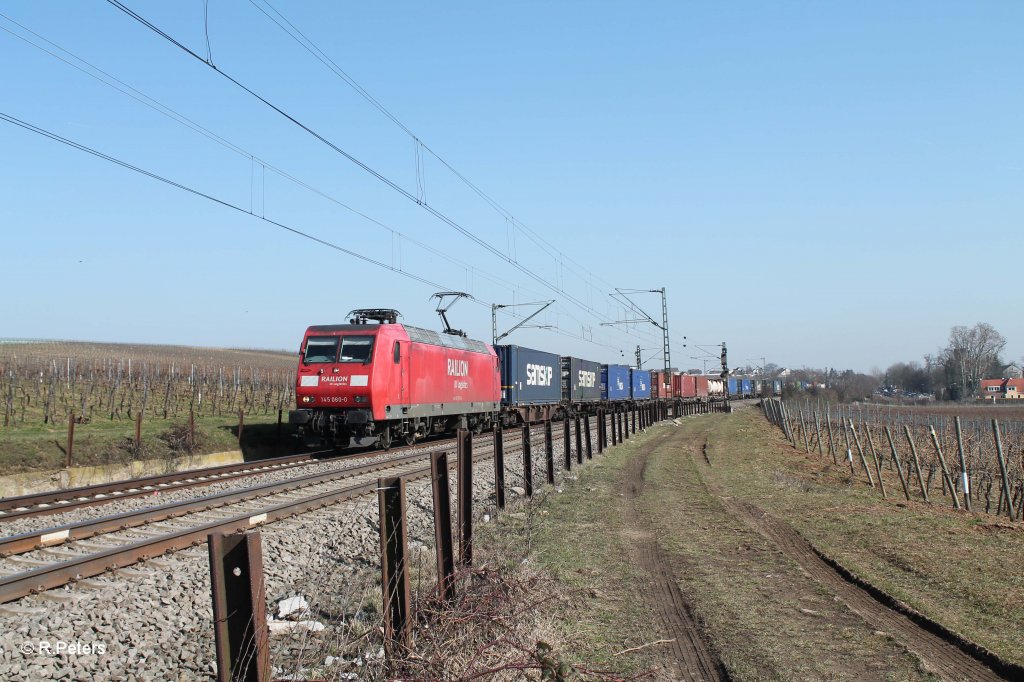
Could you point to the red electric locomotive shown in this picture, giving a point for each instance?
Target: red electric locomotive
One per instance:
(364, 384)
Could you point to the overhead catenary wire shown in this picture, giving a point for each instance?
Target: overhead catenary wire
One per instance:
(130, 91)
(290, 29)
(227, 204)
(306, 43)
(362, 165)
(96, 73)
(199, 193)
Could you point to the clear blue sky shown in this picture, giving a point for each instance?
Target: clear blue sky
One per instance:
(819, 184)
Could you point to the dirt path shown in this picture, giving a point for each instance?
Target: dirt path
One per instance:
(691, 657)
(939, 656)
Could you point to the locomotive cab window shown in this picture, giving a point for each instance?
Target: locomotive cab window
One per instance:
(356, 349)
(321, 349)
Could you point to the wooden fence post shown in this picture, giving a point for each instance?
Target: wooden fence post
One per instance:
(817, 434)
(917, 462)
(945, 472)
(443, 525)
(828, 422)
(71, 440)
(527, 461)
(465, 497)
(394, 550)
(874, 456)
(860, 451)
(963, 465)
(566, 443)
(549, 451)
(1002, 469)
(586, 431)
(899, 467)
(499, 467)
(241, 636)
(849, 449)
(579, 441)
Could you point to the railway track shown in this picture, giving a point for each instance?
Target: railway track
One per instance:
(55, 501)
(48, 558)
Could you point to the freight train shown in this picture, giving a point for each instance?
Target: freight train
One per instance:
(374, 381)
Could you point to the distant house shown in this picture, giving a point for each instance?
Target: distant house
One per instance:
(1013, 371)
(1001, 389)
(784, 372)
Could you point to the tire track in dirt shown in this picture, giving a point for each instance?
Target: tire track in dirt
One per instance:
(693, 660)
(938, 655)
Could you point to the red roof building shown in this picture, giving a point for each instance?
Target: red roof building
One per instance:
(1001, 389)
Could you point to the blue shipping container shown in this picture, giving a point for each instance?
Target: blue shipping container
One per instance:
(528, 377)
(640, 382)
(733, 387)
(776, 387)
(614, 382)
(580, 380)
(748, 388)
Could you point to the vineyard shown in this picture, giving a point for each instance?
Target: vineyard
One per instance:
(973, 460)
(132, 401)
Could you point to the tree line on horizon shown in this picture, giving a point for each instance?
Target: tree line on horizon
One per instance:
(953, 373)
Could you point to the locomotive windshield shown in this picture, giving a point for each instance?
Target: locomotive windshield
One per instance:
(356, 349)
(321, 349)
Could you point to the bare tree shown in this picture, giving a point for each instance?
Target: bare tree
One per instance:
(971, 353)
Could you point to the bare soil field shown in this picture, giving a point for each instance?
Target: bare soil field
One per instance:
(1006, 409)
(139, 353)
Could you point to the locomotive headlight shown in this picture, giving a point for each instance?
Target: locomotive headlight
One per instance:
(362, 399)
(308, 399)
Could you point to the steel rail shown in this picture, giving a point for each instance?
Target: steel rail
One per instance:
(55, 501)
(48, 577)
(22, 584)
(57, 535)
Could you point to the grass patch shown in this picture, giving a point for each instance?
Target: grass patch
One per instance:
(40, 447)
(573, 535)
(956, 568)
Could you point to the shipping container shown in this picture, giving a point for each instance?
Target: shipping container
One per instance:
(640, 384)
(733, 387)
(700, 387)
(614, 382)
(716, 387)
(660, 385)
(528, 376)
(747, 388)
(758, 387)
(684, 386)
(777, 387)
(687, 386)
(580, 380)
